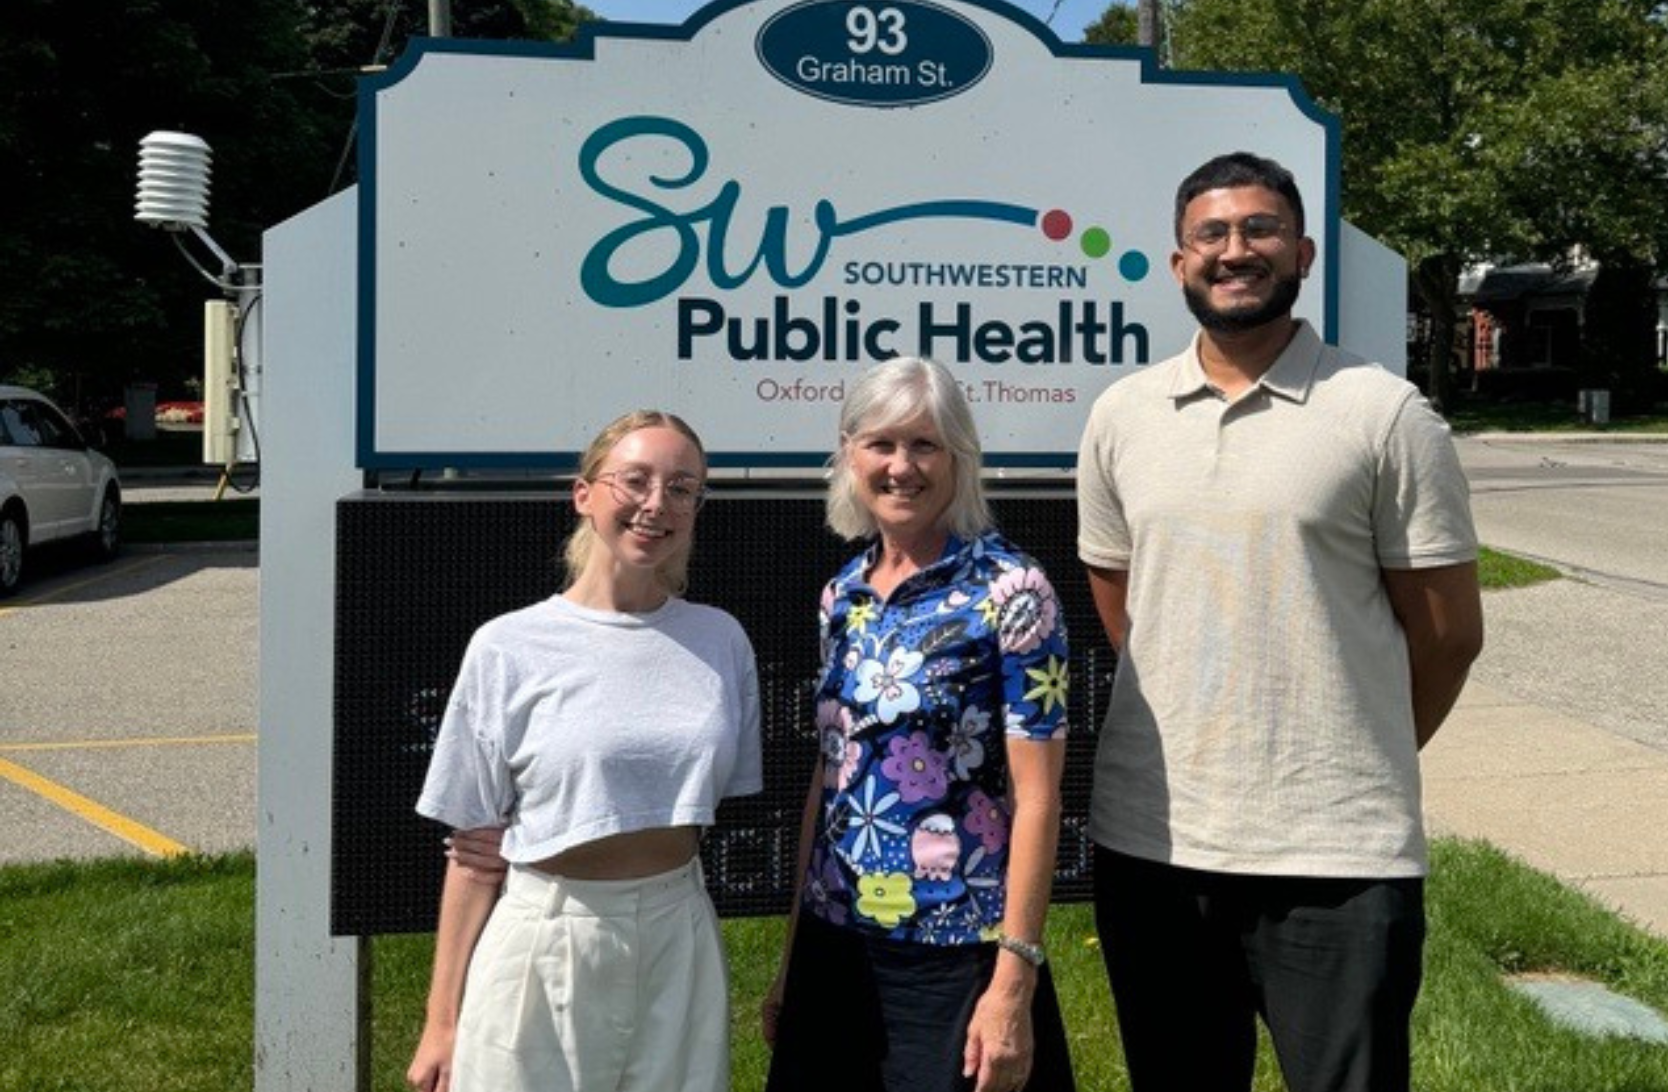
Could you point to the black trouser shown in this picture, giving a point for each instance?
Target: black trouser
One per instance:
(872, 1015)
(1332, 966)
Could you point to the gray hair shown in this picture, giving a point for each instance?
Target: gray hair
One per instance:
(892, 393)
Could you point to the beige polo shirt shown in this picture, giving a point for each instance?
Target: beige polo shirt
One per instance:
(1261, 718)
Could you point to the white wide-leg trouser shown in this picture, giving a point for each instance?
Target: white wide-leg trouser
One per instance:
(597, 986)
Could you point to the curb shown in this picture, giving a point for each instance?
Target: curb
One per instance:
(1568, 437)
(238, 546)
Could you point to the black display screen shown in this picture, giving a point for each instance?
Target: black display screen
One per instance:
(418, 572)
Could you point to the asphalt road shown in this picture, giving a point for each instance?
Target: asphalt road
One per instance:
(1597, 510)
(132, 686)
(1594, 646)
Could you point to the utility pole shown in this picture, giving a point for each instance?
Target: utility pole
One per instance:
(440, 18)
(1150, 27)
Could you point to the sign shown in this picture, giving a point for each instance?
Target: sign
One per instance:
(730, 219)
(400, 633)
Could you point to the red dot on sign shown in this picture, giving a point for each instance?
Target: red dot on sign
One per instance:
(1057, 224)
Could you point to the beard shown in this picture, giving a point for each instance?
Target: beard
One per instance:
(1276, 307)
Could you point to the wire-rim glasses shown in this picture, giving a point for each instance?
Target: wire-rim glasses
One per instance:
(1259, 231)
(682, 493)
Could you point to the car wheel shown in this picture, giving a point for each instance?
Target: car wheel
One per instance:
(107, 539)
(11, 552)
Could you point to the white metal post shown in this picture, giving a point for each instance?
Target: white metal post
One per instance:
(310, 1000)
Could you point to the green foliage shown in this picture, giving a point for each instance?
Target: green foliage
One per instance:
(554, 20)
(89, 299)
(1473, 129)
(347, 34)
(86, 293)
(1119, 24)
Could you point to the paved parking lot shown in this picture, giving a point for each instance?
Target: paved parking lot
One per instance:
(128, 706)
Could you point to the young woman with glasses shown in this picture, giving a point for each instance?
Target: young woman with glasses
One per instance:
(598, 730)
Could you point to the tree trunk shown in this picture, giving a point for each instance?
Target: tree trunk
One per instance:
(1437, 281)
(1150, 27)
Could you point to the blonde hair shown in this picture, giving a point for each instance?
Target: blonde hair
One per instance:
(577, 550)
(892, 393)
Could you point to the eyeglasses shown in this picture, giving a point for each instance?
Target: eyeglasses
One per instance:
(1259, 232)
(682, 494)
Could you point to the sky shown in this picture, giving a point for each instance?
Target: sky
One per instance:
(1068, 21)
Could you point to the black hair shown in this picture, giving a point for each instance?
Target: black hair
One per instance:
(1238, 169)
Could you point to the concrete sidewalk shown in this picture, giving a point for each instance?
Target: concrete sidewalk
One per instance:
(1582, 803)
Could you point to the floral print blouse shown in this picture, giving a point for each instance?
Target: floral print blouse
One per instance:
(918, 693)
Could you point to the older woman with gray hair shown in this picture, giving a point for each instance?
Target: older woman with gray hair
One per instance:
(915, 960)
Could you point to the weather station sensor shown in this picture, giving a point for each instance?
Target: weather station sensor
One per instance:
(174, 172)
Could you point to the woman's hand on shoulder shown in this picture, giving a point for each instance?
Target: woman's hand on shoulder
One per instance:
(431, 1066)
(999, 1040)
(478, 853)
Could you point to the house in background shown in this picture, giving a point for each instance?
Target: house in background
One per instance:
(1532, 331)
(1526, 317)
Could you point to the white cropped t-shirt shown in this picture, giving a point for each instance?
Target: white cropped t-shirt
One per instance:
(569, 724)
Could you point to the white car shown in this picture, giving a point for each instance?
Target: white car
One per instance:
(52, 485)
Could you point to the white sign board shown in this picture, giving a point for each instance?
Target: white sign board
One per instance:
(731, 218)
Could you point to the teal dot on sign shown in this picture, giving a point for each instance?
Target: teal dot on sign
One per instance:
(1096, 242)
(1134, 265)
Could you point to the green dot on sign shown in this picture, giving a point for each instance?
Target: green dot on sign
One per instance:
(1096, 242)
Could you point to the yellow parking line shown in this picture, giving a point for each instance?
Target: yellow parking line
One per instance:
(142, 741)
(158, 845)
(110, 574)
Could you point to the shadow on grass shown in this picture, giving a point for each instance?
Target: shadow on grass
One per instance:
(1474, 415)
(236, 519)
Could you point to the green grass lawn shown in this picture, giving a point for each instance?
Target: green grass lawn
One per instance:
(236, 519)
(127, 975)
(130, 974)
(1497, 570)
(1480, 416)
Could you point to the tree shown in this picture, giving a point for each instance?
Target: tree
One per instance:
(1133, 22)
(89, 299)
(1118, 25)
(1472, 129)
(347, 34)
(346, 38)
(555, 20)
